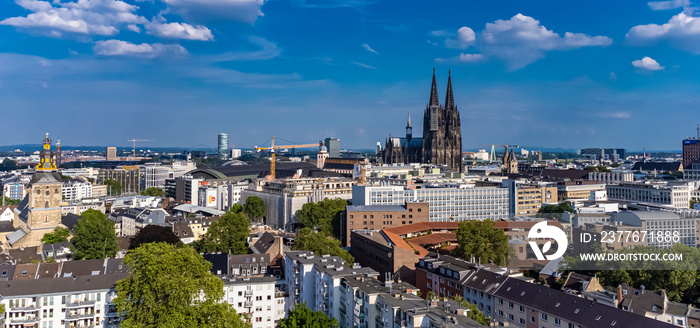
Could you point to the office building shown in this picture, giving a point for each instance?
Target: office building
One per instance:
(376, 217)
(659, 193)
(579, 190)
(605, 154)
(284, 197)
(691, 151)
(333, 147)
(611, 177)
(129, 177)
(111, 154)
(526, 199)
(448, 202)
(154, 175)
(222, 146)
(692, 172)
(661, 222)
(235, 153)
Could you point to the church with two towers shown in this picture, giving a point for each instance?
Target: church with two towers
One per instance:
(441, 143)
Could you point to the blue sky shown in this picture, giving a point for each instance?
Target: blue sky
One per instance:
(534, 73)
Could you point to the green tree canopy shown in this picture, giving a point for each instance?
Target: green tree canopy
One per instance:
(58, 235)
(171, 286)
(323, 216)
(556, 209)
(321, 244)
(254, 207)
(154, 234)
(474, 312)
(153, 191)
(481, 240)
(94, 237)
(9, 201)
(302, 317)
(8, 165)
(229, 234)
(113, 187)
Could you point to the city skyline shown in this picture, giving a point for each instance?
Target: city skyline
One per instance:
(597, 74)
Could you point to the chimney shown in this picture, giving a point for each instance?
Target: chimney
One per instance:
(619, 294)
(642, 287)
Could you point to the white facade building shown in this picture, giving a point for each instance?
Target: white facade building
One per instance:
(659, 223)
(611, 177)
(257, 297)
(76, 190)
(660, 193)
(446, 203)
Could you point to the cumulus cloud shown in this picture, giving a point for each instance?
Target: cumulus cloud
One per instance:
(682, 31)
(647, 63)
(85, 17)
(670, 4)
(123, 48)
(246, 11)
(464, 37)
(519, 41)
(179, 31)
(522, 40)
(368, 48)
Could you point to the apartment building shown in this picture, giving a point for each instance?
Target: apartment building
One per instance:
(579, 190)
(75, 190)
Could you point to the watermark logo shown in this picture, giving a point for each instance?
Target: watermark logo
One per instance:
(542, 230)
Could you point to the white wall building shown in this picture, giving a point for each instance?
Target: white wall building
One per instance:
(446, 203)
(611, 177)
(76, 190)
(661, 222)
(659, 193)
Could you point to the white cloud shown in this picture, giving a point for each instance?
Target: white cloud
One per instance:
(647, 63)
(204, 10)
(85, 17)
(123, 48)
(519, 41)
(179, 31)
(463, 39)
(617, 115)
(368, 48)
(682, 31)
(364, 65)
(522, 40)
(670, 4)
(268, 50)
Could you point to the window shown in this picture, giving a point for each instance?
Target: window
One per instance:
(510, 305)
(532, 318)
(543, 317)
(521, 309)
(510, 317)
(521, 321)
(500, 313)
(557, 322)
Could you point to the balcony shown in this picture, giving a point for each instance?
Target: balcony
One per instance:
(25, 320)
(68, 325)
(29, 308)
(248, 304)
(76, 316)
(80, 304)
(248, 292)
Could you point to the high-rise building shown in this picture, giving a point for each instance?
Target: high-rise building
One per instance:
(58, 153)
(691, 151)
(608, 154)
(333, 146)
(223, 146)
(111, 154)
(441, 143)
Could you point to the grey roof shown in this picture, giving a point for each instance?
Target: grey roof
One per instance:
(14, 237)
(572, 308)
(658, 166)
(263, 244)
(486, 281)
(241, 172)
(646, 215)
(564, 174)
(6, 226)
(375, 208)
(374, 286)
(678, 309)
(248, 280)
(7, 271)
(48, 270)
(116, 266)
(25, 255)
(59, 285)
(336, 269)
(41, 177)
(641, 301)
(189, 208)
(82, 268)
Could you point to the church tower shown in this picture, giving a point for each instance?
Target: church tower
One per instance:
(409, 129)
(40, 211)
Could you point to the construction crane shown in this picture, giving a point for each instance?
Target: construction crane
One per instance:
(505, 150)
(272, 152)
(134, 141)
(473, 156)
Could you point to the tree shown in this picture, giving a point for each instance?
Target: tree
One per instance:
(482, 241)
(254, 207)
(58, 235)
(321, 244)
(94, 237)
(153, 191)
(9, 201)
(171, 286)
(114, 187)
(323, 216)
(229, 234)
(237, 208)
(302, 317)
(474, 313)
(8, 165)
(556, 209)
(154, 234)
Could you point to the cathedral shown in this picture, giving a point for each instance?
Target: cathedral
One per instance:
(441, 143)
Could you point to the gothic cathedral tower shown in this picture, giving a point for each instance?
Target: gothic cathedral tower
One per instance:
(442, 130)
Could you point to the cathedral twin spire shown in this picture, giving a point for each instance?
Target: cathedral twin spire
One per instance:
(449, 97)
